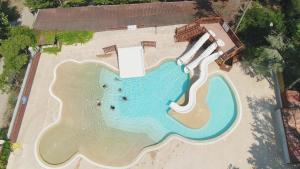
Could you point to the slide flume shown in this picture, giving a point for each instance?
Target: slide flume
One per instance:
(203, 61)
(189, 55)
(190, 67)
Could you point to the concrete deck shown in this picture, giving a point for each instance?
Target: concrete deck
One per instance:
(251, 145)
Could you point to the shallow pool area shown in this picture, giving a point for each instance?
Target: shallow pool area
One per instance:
(111, 120)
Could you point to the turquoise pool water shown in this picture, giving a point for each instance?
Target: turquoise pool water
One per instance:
(141, 105)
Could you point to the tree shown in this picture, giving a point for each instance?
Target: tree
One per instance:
(292, 60)
(10, 11)
(4, 25)
(14, 51)
(34, 5)
(276, 42)
(263, 60)
(257, 24)
(293, 8)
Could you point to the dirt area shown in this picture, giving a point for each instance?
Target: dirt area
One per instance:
(18, 3)
(26, 17)
(228, 10)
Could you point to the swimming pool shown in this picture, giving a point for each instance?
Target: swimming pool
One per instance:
(146, 107)
(133, 113)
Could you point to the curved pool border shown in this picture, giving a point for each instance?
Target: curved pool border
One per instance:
(149, 148)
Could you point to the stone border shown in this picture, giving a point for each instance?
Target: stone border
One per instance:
(164, 142)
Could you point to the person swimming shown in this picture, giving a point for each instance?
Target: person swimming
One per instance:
(112, 107)
(98, 102)
(124, 98)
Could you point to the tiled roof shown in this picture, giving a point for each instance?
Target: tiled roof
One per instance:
(101, 18)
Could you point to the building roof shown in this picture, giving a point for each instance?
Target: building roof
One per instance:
(108, 17)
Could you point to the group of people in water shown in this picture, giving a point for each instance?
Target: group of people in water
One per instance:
(112, 107)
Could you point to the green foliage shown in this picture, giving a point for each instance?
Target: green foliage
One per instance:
(293, 8)
(257, 25)
(39, 4)
(5, 154)
(4, 25)
(47, 37)
(73, 3)
(276, 42)
(20, 31)
(10, 11)
(114, 2)
(73, 37)
(67, 38)
(52, 50)
(103, 2)
(292, 60)
(263, 60)
(14, 51)
(3, 134)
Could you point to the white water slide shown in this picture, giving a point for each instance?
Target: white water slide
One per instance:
(190, 54)
(204, 60)
(190, 67)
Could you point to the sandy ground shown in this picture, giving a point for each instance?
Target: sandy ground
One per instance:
(199, 115)
(250, 145)
(26, 17)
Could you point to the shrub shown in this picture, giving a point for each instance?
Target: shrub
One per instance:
(52, 50)
(73, 37)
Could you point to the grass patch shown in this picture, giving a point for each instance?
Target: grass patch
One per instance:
(46, 37)
(65, 37)
(73, 37)
(52, 50)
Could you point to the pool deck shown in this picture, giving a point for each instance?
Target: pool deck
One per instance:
(251, 144)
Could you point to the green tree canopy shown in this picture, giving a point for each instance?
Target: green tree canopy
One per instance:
(10, 11)
(4, 25)
(39, 4)
(263, 60)
(276, 42)
(258, 23)
(293, 8)
(14, 51)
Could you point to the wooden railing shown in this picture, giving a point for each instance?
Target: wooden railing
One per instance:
(188, 32)
(148, 44)
(109, 49)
